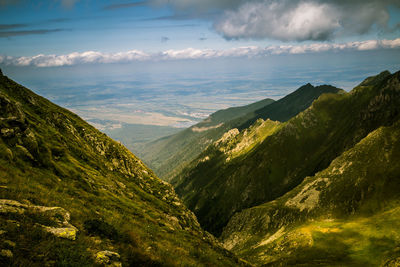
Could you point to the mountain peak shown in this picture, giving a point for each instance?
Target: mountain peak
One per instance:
(306, 86)
(372, 80)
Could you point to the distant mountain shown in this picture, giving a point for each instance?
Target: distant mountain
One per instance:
(289, 106)
(169, 155)
(71, 196)
(216, 185)
(346, 215)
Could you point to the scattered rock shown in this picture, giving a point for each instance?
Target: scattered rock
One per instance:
(11, 206)
(5, 132)
(108, 258)
(6, 253)
(173, 223)
(308, 198)
(392, 262)
(63, 232)
(58, 215)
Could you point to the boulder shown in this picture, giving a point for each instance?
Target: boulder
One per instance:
(58, 215)
(108, 258)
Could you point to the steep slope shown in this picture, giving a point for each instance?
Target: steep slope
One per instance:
(168, 156)
(71, 196)
(345, 215)
(300, 147)
(289, 106)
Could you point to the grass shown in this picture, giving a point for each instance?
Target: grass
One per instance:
(360, 241)
(306, 144)
(168, 156)
(54, 158)
(351, 218)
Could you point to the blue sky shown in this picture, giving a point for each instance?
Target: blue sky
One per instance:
(173, 62)
(97, 26)
(29, 28)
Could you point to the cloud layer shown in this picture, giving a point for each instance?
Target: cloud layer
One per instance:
(92, 57)
(305, 21)
(290, 20)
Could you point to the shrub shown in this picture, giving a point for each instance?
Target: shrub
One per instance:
(101, 228)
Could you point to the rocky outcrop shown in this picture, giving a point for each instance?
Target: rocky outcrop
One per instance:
(58, 216)
(108, 258)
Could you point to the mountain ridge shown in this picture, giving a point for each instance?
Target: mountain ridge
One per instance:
(167, 160)
(343, 202)
(67, 186)
(301, 147)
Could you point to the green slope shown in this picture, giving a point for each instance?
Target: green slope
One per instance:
(71, 196)
(215, 189)
(228, 114)
(345, 215)
(289, 106)
(169, 155)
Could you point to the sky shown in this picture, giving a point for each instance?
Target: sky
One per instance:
(173, 62)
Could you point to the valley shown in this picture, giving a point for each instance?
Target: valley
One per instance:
(309, 179)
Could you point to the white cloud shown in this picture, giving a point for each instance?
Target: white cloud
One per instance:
(93, 57)
(76, 58)
(305, 21)
(289, 20)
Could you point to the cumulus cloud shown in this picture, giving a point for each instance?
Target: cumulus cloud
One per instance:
(305, 21)
(93, 57)
(289, 20)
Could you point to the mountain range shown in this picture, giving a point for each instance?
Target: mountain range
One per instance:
(169, 155)
(310, 179)
(71, 196)
(319, 189)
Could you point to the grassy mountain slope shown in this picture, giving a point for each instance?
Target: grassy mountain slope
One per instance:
(168, 156)
(300, 147)
(345, 215)
(71, 196)
(290, 105)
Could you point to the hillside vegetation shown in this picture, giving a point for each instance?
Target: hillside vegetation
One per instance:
(71, 196)
(169, 155)
(345, 215)
(216, 188)
(311, 179)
